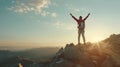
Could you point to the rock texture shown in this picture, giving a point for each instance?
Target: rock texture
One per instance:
(103, 54)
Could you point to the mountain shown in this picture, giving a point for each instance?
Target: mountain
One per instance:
(39, 53)
(105, 53)
(5, 54)
(8, 57)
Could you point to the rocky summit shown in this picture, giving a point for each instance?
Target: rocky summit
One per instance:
(102, 54)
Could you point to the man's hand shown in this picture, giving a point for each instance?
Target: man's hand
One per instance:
(71, 14)
(88, 13)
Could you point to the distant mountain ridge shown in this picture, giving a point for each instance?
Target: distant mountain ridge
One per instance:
(34, 54)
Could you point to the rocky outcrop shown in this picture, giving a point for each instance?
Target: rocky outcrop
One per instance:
(102, 54)
(72, 56)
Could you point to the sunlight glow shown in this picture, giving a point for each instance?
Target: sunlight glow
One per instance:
(96, 39)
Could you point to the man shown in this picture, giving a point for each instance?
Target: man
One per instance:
(81, 26)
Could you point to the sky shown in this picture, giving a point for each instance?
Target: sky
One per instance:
(48, 23)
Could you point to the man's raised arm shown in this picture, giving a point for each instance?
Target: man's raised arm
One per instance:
(73, 17)
(86, 16)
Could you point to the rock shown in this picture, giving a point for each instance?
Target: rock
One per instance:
(78, 65)
(103, 54)
(71, 56)
(108, 62)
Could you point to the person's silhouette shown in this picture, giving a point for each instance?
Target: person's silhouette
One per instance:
(81, 26)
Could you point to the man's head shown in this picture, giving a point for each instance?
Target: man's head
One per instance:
(80, 17)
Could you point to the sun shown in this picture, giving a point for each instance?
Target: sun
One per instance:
(97, 39)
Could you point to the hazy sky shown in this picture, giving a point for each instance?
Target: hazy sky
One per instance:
(48, 23)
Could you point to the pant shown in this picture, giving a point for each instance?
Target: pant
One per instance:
(81, 32)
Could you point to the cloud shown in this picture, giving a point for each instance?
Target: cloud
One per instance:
(22, 8)
(54, 14)
(64, 25)
(37, 6)
(58, 24)
(44, 13)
